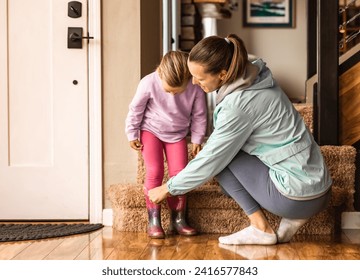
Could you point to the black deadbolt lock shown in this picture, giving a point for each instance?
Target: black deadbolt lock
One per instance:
(74, 9)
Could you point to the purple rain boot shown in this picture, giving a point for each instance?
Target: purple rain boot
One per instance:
(155, 229)
(177, 206)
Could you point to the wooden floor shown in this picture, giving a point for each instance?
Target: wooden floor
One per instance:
(109, 244)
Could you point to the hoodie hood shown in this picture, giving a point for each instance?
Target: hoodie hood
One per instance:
(256, 76)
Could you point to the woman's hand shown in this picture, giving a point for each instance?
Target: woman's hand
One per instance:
(196, 148)
(136, 145)
(158, 194)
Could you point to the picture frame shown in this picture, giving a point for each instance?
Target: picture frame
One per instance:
(269, 13)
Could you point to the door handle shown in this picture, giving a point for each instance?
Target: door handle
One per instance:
(75, 38)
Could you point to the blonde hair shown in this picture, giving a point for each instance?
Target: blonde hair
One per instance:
(173, 68)
(215, 54)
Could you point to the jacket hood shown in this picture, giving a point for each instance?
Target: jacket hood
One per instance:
(256, 76)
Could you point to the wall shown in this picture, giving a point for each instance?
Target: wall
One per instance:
(151, 39)
(130, 49)
(283, 49)
(121, 72)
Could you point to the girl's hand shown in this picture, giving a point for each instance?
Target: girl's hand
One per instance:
(196, 148)
(136, 145)
(158, 194)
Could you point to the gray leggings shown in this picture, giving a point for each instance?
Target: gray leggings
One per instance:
(246, 179)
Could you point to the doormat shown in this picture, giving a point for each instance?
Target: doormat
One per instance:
(20, 232)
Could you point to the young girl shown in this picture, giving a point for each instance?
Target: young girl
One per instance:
(165, 108)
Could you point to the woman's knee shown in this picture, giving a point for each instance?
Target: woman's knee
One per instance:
(226, 180)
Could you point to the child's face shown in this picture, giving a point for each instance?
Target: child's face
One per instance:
(173, 90)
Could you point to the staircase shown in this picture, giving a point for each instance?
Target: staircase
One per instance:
(336, 99)
(349, 98)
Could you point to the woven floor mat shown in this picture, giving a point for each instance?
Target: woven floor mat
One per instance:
(20, 232)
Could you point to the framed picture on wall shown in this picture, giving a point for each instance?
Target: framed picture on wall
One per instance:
(268, 13)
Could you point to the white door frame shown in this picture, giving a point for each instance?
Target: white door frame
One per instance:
(95, 120)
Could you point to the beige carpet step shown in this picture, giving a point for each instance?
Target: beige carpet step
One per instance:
(209, 211)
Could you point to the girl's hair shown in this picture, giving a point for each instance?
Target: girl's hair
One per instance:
(173, 68)
(215, 54)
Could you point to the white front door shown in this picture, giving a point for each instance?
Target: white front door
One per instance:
(44, 146)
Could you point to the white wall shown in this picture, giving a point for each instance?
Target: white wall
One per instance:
(121, 74)
(131, 49)
(283, 49)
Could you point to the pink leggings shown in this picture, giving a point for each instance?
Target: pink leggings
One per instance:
(153, 154)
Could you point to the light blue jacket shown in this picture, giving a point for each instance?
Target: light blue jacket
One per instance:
(261, 121)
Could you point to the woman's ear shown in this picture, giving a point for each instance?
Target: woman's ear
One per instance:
(222, 74)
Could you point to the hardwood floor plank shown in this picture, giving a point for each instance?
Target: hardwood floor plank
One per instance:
(38, 249)
(189, 251)
(9, 250)
(191, 248)
(216, 251)
(69, 249)
(101, 246)
(317, 250)
(133, 240)
(223, 252)
(72, 246)
(112, 237)
(247, 252)
(119, 254)
(90, 253)
(130, 247)
(282, 252)
(345, 252)
(160, 249)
